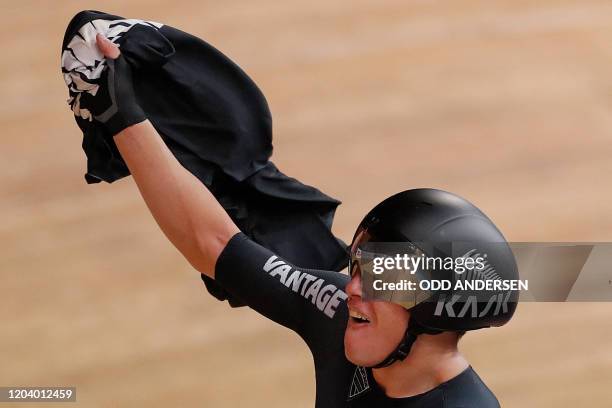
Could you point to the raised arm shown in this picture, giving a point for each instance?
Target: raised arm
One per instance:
(306, 301)
(188, 214)
(185, 210)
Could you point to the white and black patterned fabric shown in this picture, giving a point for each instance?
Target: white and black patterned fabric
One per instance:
(83, 63)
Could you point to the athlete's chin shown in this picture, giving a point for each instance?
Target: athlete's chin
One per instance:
(360, 360)
(360, 349)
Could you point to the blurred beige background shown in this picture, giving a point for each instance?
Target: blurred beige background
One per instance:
(508, 103)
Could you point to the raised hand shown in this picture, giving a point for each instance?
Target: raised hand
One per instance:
(115, 104)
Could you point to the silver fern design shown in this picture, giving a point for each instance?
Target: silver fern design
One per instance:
(83, 63)
(487, 272)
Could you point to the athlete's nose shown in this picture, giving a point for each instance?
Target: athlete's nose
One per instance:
(353, 287)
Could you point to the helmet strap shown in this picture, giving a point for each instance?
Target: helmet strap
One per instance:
(403, 348)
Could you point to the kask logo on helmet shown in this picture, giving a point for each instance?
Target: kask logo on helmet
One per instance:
(497, 303)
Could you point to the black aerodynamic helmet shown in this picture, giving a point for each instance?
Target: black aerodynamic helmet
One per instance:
(438, 224)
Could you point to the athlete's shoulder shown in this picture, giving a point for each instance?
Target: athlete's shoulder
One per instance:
(468, 390)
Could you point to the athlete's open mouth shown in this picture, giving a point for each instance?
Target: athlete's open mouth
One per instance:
(358, 317)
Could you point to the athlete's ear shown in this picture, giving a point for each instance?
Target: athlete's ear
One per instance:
(109, 49)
